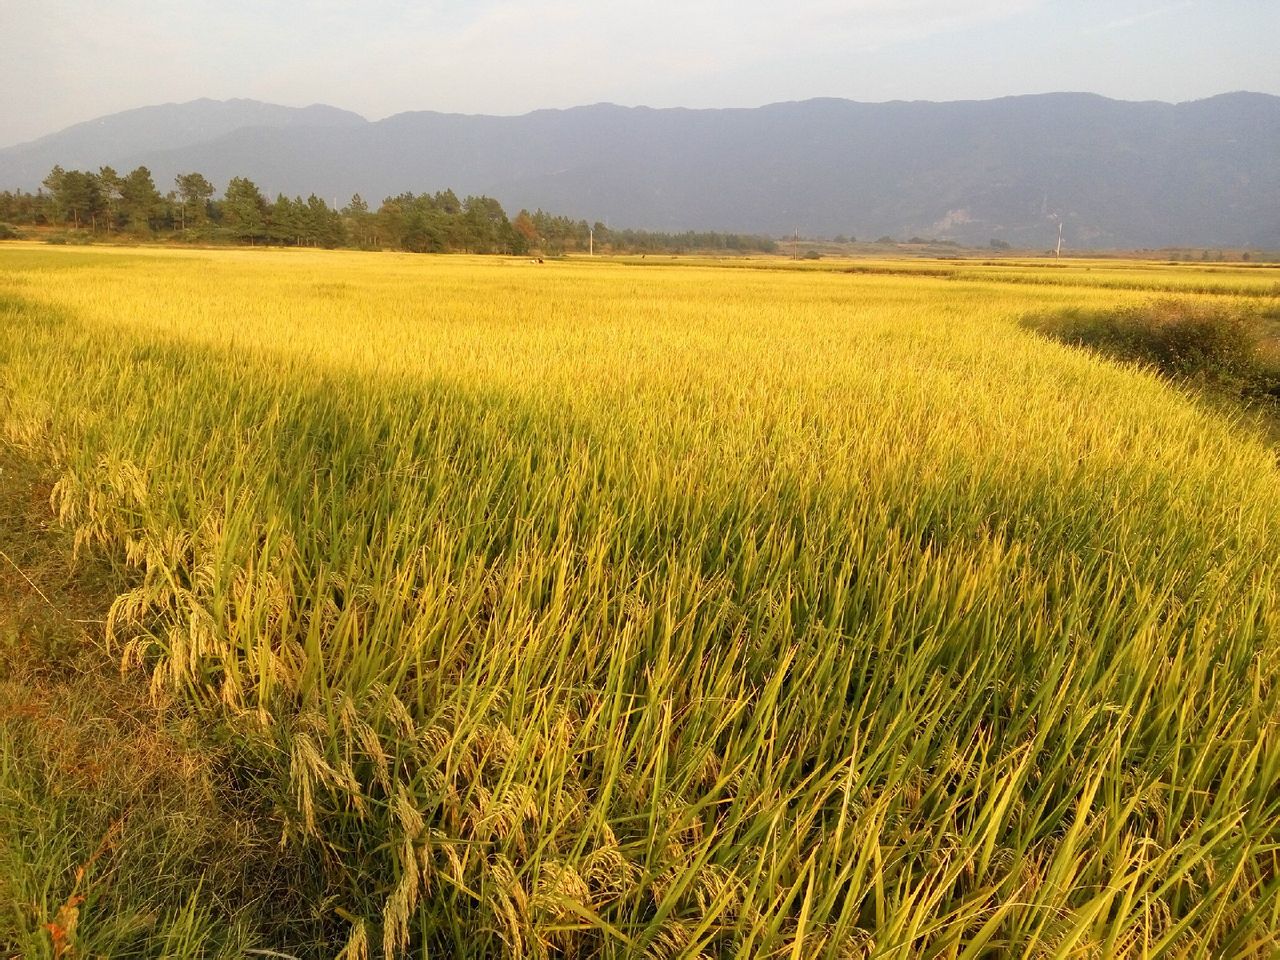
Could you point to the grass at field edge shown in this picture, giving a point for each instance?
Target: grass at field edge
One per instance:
(120, 834)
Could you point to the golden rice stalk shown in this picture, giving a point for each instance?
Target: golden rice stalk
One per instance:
(357, 945)
(400, 905)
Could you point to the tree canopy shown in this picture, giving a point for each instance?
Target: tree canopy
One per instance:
(108, 202)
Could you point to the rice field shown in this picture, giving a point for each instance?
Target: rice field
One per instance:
(681, 609)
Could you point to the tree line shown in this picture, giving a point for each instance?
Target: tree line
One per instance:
(107, 203)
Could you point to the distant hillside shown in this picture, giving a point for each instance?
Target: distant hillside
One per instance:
(155, 130)
(1119, 174)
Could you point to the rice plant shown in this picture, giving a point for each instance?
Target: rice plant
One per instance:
(596, 609)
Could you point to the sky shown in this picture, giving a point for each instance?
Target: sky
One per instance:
(64, 61)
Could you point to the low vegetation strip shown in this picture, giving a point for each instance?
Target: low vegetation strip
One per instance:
(81, 206)
(593, 611)
(1121, 277)
(1230, 349)
(1244, 282)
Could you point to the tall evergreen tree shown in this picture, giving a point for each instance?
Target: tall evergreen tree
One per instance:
(140, 201)
(363, 224)
(245, 209)
(194, 192)
(110, 183)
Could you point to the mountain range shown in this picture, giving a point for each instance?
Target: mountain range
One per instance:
(1117, 174)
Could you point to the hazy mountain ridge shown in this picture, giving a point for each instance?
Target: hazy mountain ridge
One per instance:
(157, 128)
(1119, 173)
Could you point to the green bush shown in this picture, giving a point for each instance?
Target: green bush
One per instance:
(9, 232)
(1266, 383)
(1181, 338)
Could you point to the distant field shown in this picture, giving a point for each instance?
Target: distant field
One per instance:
(1230, 279)
(680, 608)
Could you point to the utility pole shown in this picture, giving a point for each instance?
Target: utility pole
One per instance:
(591, 241)
(1058, 255)
(795, 244)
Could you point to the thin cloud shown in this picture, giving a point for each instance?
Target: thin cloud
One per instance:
(1124, 23)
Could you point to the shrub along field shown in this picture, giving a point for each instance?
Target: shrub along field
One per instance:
(675, 610)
